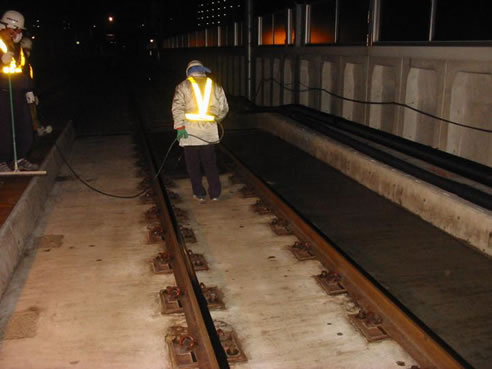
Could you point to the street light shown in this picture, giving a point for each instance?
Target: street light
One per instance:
(110, 19)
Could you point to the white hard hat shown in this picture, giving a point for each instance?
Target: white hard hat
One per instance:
(193, 63)
(13, 19)
(26, 43)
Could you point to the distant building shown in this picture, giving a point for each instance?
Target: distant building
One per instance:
(218, 12)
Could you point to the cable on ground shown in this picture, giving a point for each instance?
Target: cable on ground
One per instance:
(140, 193)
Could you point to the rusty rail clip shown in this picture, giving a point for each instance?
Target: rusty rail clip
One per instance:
(302, 250)
(141, 162)
(170, 300)
(247, 192)
(169, 183)
(181, 346)
(188, 234)
(148, 197)
(152, 214)
(198, 261)
(261, 208)
(146, 182)
(213, 296)
(280, 227)
(230, 343)
(330, 282)
(174, 197)
(235, 179)
(369, 324)
(180, 214)
(143, 172)
(156, 233)
(162, 263)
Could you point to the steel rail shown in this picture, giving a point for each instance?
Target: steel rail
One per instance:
(209, 352)
(410, 334)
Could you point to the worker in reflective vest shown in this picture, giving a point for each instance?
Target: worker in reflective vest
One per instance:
(198, 105)
(16, 93)
(26, 48)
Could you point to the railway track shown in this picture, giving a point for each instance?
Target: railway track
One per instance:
(207, 343)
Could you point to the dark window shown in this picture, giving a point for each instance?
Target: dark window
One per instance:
(223, 35)
(192, 39)
(405, 21)
(323, 22)
(267, 30)
(463, 21)
(200, 38)
(230, 35)
(280, 24)
(240, 34)
(212, 36)
(353, 25)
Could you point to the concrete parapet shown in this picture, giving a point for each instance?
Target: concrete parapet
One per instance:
(17, 229)
(452, 214)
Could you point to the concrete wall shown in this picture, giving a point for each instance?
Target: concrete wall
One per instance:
(451, 82)
(18, 227)
(454, 83)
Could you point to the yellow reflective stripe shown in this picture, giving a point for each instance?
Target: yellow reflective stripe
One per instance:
(200, 117)
(202, 102)
(23, 58)
(31, 72)
(12, 68)
(3, 47)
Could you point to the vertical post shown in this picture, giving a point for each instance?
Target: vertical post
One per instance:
(236, 34)
(374, 20)
(249, 34)
(14, 144)
(432, 26)
(302, 37)
(289, 26)
(337, 21)
(302, 25)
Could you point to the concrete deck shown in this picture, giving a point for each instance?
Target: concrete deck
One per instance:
(16, 229)
(282, 318)
(84, 296)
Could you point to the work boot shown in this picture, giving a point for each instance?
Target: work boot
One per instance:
(201, 199)
(25, 165)
(4, 167)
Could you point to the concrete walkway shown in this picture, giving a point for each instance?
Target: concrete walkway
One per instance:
(85, 296)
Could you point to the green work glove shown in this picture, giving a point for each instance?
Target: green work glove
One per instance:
(182, 134)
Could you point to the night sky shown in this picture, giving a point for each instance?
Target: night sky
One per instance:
(161, 16)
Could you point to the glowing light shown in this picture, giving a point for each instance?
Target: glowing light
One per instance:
(77, 42)
(110, 18)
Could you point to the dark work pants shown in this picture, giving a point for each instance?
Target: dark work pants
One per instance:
(202, 156)
(23, 125)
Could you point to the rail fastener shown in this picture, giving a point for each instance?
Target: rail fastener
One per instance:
(161, 264)
(302, 250)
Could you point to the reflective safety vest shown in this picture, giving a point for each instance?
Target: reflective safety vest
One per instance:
(201, 101)
(13, 68)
